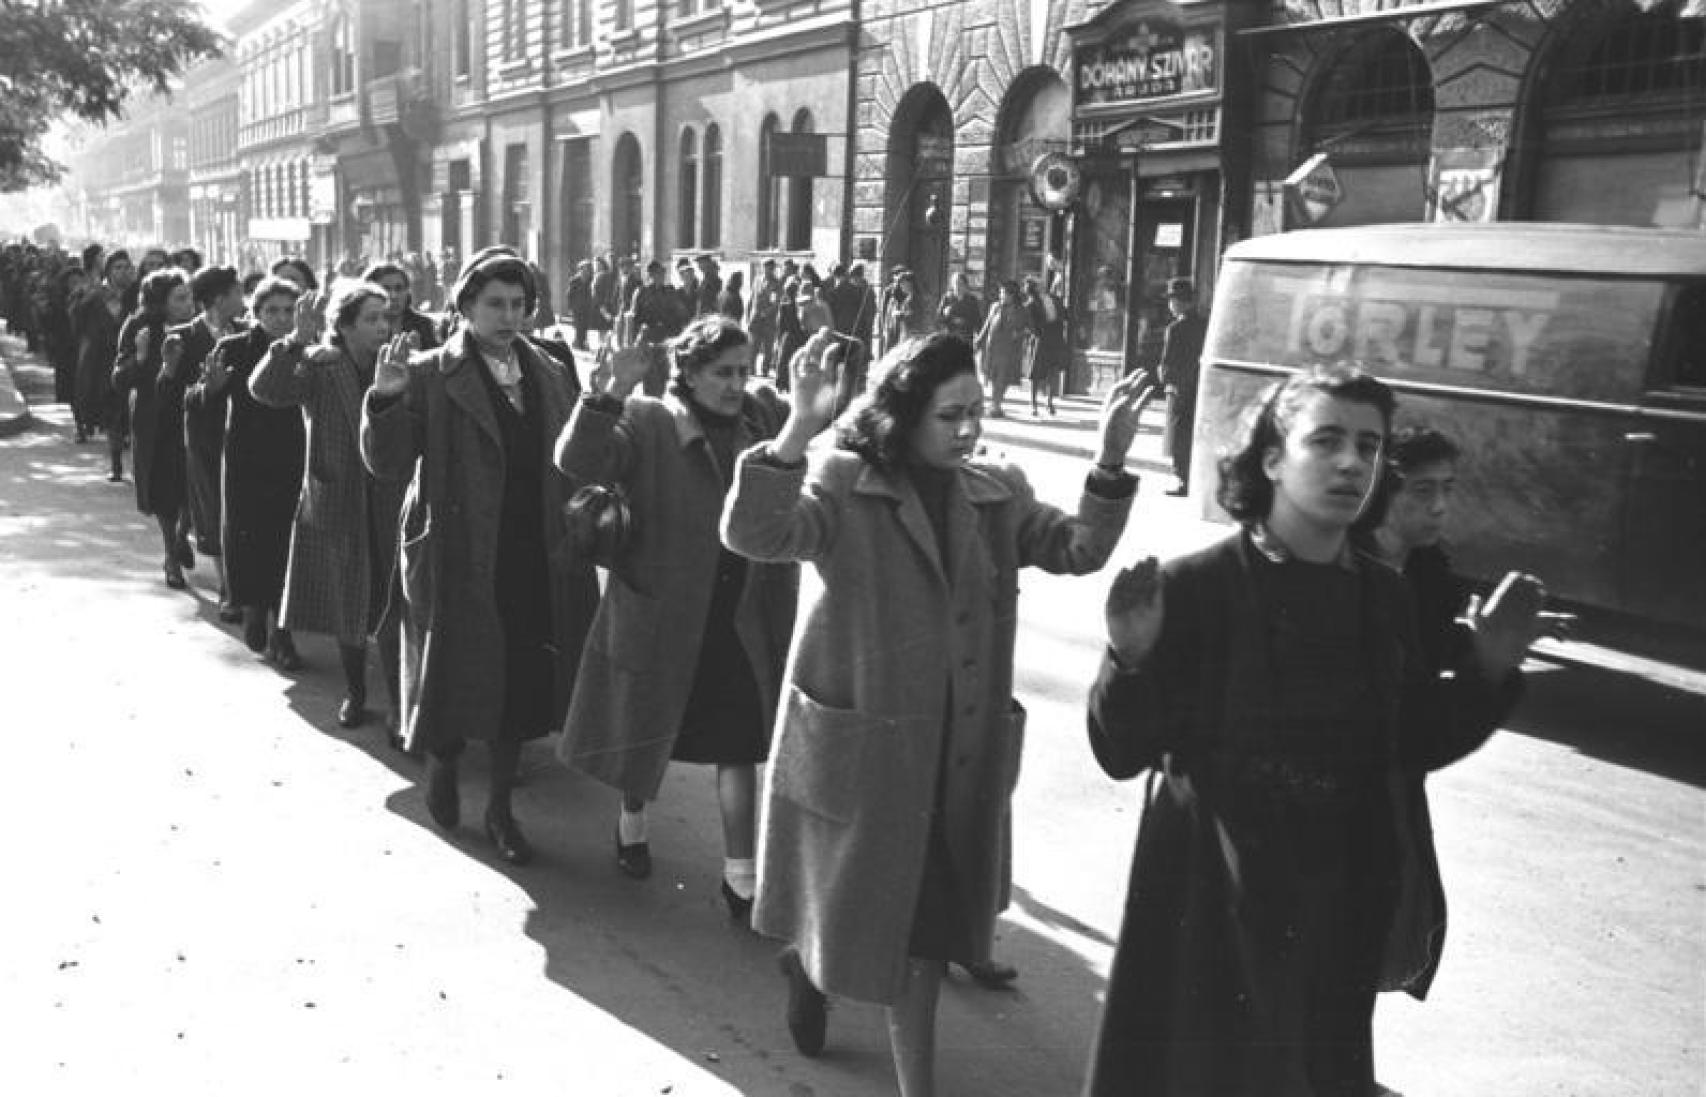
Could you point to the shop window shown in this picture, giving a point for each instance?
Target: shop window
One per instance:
(711, 215)
(1644, 53)
(688, 200)
(768, 196)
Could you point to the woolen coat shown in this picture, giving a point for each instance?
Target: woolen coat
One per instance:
(1201, 995)
(204, 433)
(442, 440)
(345, 519)
(156, 419)
(901, 648)
(637, 673)
(263, 458)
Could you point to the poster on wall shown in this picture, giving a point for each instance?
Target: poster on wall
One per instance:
(1464, 184)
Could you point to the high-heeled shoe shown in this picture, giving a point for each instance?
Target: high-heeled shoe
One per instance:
(443, 797)
(740, 910)
(510, 843)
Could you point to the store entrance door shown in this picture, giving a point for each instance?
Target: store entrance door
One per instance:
(1166, 242)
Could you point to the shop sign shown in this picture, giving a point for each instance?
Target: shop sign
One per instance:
(1150, 61)
(1314, 188)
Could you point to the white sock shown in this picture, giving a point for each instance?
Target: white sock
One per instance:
(741, 874)
(631, 826)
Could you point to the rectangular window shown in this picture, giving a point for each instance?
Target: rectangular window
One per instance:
(464, 33)
(623, 15)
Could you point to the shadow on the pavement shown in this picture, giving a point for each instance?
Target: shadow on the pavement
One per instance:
(660, 955)
(1618, 717)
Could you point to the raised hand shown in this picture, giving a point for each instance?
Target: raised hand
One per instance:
(1134, 612)
(391, 375)
(171, 354)
(1121, 412)
(310, 318)
(816, 371)
(215, 373)
(1507, 623)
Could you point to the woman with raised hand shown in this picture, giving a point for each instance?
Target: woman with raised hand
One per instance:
(885, 853)
(685, 658)
(262, 461)
(157, 413)
(344, 534)
(1275, 688)
(495, 606)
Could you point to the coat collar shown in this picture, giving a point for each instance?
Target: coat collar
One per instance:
(977, 487)
(457, 361)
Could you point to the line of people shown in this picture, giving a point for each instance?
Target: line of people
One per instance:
(842, 605)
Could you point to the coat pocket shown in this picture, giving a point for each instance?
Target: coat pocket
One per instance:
(819, 763)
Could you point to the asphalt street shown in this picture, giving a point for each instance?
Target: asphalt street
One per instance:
(213, 889)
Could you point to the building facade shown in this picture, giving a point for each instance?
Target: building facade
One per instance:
(218, 223)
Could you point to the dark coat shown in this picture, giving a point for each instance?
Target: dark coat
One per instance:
(892, 628)
(157, 419)
(423, 326)
(204, 433)
(344, 535)
(1197, 1000)
(638, 670)
(1181, 355)
(264, 454)
(1048, 350)
(442, 440)
(96, 327)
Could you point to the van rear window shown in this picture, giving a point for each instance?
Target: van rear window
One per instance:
(1582, 337)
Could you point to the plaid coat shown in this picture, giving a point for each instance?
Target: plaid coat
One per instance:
(345, 532)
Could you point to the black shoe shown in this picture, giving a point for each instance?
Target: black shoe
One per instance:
(1178, 491)
(634, 860)
(352, 713)
(443, 797)
(992, 974)
(808, 1009)
(255, 630)
(281, 651)
(512, 847)
(116, 476)
(185, 554)
(230, 613)
(82, 436)
(174, 575)
(740, 910)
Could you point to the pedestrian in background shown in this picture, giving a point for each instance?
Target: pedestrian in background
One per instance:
(1001, 342)
(59, 336)
(761, 318)
(157, 414)
(656, 314)
(790, 330)
(886, 844)
(400, 309)
(685, 658)
(496, 606)
(729, 302)
(1275, 687)
(96, 320)
(344, 535)
(710, 286)
(263, 458)
(219, 297)
(961, 313)
(1048, 342)
(1181, 354)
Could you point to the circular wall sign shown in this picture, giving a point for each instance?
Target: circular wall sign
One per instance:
(1055, 180)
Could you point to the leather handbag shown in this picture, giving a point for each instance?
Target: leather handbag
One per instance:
(600, 524)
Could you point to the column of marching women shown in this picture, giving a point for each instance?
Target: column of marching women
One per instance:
(817, 598)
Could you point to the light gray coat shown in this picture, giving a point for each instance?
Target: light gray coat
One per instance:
(898, 647)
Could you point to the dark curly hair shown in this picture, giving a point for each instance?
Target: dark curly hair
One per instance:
(880, 428)
(699, 344)
(157, 289)
(348, 295)
(1245, 492)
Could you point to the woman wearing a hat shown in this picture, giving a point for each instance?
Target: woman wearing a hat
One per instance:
(495, 608)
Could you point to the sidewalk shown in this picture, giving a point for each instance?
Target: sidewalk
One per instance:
(1073, 431)
(14, 410)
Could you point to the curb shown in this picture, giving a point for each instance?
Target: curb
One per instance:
(15, 415)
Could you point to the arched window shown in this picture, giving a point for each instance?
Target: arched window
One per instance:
(627, 177)
(689, 198)
(800, 195)
(1380, 85)
(711, 187)
(767, 184)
